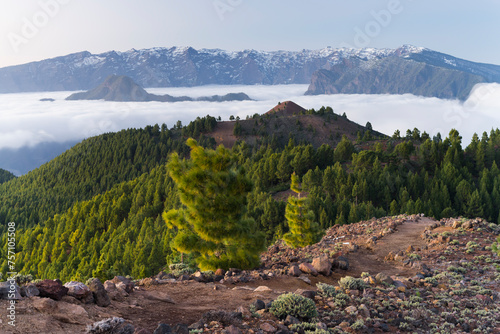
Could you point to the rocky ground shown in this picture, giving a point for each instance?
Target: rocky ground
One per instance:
(396, 275)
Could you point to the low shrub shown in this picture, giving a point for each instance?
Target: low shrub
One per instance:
(22, 279)
(496, 247)
(351, 283)
(358, 325)
(294, 305)
(414, 257)
(326, 290)
(178, 269)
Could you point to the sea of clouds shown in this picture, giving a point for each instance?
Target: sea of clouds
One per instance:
(26, 121)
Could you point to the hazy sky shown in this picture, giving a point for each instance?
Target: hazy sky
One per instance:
(37, 29)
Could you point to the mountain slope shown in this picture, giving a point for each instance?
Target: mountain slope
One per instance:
(89, 168)
(5, 176)
(491, 73)
(393, 75)
(114, 88)
(119, 231)
(173, 67)
(288, 121)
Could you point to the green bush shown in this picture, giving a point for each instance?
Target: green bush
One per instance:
(496, 247)
(326, 290)
(351, 283)
(471, 245)
(341, 299)
(294, 305)
(89, 280)
(358, 325)
(414, 257)
(318, 331)
(22, 279)
(303, 326)
(178, 269)
(308, 328)
(459, 270)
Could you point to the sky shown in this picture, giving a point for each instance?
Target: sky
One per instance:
(32, 30)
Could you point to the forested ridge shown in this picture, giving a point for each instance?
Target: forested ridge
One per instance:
(90, 168)
(5, 176)
(120, 230)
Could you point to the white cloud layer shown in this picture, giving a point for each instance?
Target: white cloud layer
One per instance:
(24, 120)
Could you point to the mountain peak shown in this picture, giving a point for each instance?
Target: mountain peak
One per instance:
(287, 108)
(114, 88)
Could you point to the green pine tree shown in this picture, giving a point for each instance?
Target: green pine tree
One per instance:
(303, 229)
(212, 225)
(474, 206)
(394, 208)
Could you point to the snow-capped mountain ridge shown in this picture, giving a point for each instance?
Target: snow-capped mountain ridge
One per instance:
(186, 66)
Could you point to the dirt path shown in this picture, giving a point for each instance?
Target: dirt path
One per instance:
(193, 299)
(372, 261)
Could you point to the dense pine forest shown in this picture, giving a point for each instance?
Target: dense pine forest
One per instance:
(91, 168)
(97, 209)
(5, 176)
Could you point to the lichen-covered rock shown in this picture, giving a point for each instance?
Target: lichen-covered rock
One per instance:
(8, 290)
(351, 310)
(148, 281)
(109, 286)
(383, 278)
(127, 284)
(267, 327)
(468, 225)
(305, 279)
(78, 290)
(100, 295)
(30, 290)
(110, 326)
(199, 277)
(263, 288)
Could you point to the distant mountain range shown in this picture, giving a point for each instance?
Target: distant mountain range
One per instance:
(349, 70)
(393, 75)
(124, 89)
